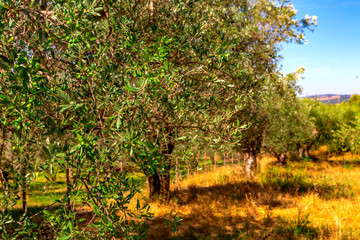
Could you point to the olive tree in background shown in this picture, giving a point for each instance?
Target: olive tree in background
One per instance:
(327, 119)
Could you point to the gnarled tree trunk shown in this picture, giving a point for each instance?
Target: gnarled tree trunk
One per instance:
(159, 186)
(251, 164)
(282, 158)
(159, 182)
(301, 152)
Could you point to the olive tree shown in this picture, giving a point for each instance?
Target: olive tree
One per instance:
(94, 82)
(191, 69)
(327, 120)
(288, 122)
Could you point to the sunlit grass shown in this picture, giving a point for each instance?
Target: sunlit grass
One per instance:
(304, 200)
(43, 193)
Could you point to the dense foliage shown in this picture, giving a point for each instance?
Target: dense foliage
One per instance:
(299, 125)
(88, 85)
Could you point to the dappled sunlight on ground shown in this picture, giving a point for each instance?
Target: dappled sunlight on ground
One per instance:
(302, 200)
(312, 200)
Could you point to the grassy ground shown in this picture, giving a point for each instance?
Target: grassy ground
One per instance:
(304, 200)
(41, 193)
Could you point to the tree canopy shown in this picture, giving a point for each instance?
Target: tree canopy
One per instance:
(85, 84)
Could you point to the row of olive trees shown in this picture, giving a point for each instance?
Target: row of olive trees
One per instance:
(289, 128)
(299, 125)
(85, 84)
(339, 125)
(280, 123)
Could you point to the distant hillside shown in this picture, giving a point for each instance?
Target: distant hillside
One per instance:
(331, 98)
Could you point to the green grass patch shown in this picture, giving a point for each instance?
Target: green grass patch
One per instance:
(42, 192)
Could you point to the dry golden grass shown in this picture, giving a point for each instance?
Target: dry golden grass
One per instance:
(304, 200)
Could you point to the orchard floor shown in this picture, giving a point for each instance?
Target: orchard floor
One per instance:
(303, 200)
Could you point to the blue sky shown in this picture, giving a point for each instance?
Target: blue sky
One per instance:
(332, 56)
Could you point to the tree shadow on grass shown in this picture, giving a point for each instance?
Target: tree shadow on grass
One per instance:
(210, 214)
(198, 226)
(269, 190)
(226, 193)
(195, 226)
(298, 183)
